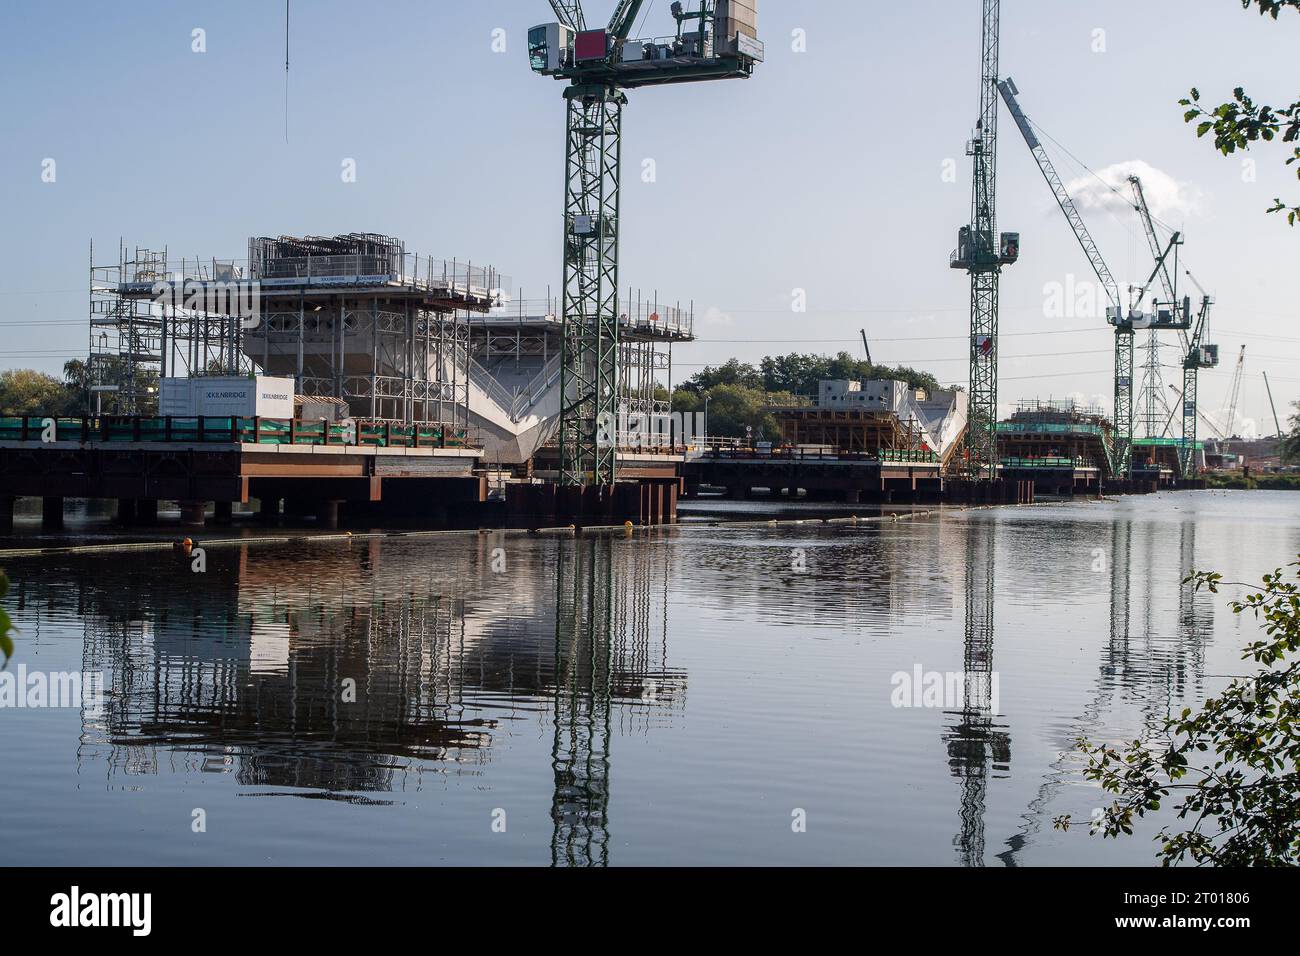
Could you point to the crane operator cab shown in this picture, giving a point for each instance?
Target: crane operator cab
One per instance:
(972, 254)
(1203, 356)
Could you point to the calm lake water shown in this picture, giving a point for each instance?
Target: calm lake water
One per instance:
(677, 697)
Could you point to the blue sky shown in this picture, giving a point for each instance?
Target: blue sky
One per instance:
(825, 172)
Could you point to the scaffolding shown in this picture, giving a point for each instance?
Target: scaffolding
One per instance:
(138, 336)
(516, 354)
(354, 318)
(358, 319)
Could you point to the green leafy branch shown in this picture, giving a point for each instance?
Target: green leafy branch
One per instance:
(1233, 764)
(6, 625)
(1240, 123)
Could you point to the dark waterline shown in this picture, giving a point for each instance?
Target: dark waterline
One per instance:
(677, 696)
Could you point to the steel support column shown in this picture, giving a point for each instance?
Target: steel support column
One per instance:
(589, 364)
(1123, 442)
(985, 269)
(1187, 448)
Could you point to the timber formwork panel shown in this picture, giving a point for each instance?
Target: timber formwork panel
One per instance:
(847, 430)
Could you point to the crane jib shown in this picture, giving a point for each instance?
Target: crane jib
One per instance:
(1018, 114)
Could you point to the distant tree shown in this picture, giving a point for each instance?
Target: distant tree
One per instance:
(733, 407)
(731, 372)
(740, 394)
(1240, 123)
(795, 372)
(27, 392)
(76, 379)
(1233, 763)
(801, 374)
(110, 369)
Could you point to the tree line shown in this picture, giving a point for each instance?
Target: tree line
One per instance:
(24, 391)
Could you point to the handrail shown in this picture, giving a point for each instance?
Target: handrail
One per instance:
(255, 430)
(532, 392)
(901, 455)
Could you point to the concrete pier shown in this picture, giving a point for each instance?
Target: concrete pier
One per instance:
(192, 513)
(644, 502)
(327, 514)
(52, 513)
(126, 511)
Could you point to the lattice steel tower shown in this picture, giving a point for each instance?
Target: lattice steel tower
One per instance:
(717, 41)
(982, 253)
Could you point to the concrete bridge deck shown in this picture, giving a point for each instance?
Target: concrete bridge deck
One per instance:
(309, 467)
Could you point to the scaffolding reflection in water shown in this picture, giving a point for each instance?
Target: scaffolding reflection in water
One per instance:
(330, 688)
(346, 673)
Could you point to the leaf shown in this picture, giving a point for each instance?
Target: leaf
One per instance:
(6, 642)
(6, 624)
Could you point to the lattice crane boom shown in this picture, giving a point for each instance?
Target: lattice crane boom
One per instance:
(1152, 379)
(1153, 239)
(1234, 394)
(624, 18)
(1072, 215)
(1115, 314)
(569, 13)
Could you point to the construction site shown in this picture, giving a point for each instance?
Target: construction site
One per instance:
(454, 517)
(388, 383)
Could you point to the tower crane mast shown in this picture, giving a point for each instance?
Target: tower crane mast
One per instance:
(1199, 355)
(978, 255)
(599, 65)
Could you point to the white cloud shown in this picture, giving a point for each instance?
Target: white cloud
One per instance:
(713, 316)
(1167, 197)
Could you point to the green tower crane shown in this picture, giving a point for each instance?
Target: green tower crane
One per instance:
(1151, 376)
(718, 40)
(1124, 320)
(1199, 355)
(978, 255)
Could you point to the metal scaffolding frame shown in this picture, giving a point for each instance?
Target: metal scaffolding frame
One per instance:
(134, 341)
(352, 317)
(529, 338)
(390, 359)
